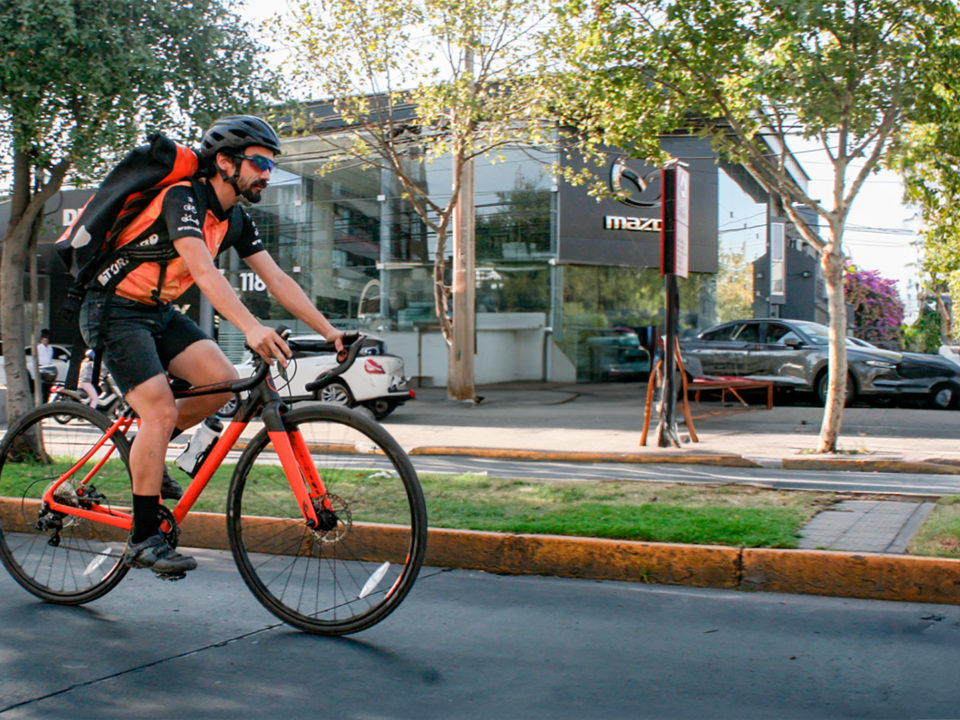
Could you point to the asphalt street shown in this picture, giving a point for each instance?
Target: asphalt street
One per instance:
(473, 645)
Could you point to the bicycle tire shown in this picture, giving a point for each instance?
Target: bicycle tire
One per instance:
(63, 418)
(60, 558)
(353, 576)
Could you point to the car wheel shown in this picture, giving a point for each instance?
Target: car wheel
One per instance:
(229, 408)
(942, 397)
(823, 383)
(381, 407)
(336, 393)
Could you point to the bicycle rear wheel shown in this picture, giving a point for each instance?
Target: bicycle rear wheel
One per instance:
(352, 575)
(61, 558)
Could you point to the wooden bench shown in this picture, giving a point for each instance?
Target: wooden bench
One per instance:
(698, 385)
(732, 384)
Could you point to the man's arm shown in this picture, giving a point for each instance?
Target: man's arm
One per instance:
(262, 339)
(285, 289)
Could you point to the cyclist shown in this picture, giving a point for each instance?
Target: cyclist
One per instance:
(143, 336)
(85, 381)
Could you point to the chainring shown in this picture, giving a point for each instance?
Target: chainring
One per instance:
(172, 534)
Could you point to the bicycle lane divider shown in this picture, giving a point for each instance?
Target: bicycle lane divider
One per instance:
(698, 458)
(690, 456)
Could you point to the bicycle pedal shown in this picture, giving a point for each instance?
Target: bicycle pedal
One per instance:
(171, 577)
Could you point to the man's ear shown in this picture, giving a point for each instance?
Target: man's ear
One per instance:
(226, 163)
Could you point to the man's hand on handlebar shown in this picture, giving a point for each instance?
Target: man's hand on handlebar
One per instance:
(337, 338)
(268, 344)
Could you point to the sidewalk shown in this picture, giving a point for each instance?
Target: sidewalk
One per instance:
(596, 421)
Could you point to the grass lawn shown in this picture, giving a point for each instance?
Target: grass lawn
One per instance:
(722, 514)
(725, 515)
(939, 536)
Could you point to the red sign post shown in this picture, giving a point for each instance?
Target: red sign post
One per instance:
(674, 261)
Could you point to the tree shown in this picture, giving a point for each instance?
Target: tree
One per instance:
(413, 82)
(877, 308)
(929, 161)
(734, 286)
(752, 74)
(80, 80)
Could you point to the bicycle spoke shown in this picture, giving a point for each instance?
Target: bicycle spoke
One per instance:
(57, 556)
(372, 529)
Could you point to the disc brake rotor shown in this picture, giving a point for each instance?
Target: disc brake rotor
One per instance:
(335, 517)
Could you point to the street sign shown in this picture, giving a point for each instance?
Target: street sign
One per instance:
(675, 221)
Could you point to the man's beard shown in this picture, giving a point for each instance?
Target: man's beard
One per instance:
(253, 194)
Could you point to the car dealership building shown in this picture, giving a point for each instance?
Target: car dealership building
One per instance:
(562, 278)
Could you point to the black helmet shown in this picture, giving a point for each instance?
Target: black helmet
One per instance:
(234, 133)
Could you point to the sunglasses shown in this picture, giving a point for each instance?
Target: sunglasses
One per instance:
(259, 162)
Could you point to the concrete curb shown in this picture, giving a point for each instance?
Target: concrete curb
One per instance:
(842, 574)
(859, 465)
(688, 458)
(860, 575)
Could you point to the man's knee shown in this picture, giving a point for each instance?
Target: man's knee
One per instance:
(153, 402)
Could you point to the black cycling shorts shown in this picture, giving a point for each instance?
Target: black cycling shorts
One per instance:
(139, 340)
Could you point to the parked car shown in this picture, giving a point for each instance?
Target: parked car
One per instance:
(375, 380)
(793, 354)
(931, 378)
(55, 372)
(616, 354)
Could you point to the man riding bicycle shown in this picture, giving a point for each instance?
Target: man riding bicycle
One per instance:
(143, 337)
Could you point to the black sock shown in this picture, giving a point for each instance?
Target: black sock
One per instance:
(146, 521)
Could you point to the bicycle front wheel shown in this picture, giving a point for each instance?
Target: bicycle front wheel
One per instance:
(59, 557)
(357, 568)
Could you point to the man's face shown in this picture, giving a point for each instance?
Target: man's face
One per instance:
(256, 166)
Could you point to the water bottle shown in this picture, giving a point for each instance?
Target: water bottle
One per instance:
(200, 444)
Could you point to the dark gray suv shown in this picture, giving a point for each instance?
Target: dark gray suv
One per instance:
(793, 354)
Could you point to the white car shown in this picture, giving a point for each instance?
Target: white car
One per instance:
(375, 380)
(61, 362)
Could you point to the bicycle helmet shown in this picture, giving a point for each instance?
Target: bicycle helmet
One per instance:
(234, 133)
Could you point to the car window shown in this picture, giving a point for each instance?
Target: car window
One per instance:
(749, 332)
(721, 334)
(779, 333)
(818, 334)
(61, 354)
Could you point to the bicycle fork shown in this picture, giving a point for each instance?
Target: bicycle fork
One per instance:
(305, 482)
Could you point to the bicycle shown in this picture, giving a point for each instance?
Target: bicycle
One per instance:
(110, 401)
(325, 517)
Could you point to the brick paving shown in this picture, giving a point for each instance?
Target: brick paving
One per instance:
(883, 526)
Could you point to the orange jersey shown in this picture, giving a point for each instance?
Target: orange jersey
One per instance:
(173, 214)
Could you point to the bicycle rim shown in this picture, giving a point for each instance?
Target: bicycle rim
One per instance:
(61, 558)
(354, 574)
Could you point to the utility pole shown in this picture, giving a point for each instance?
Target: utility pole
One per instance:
(460, 378)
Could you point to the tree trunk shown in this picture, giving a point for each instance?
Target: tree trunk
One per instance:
(12, 270)
(460, 368)
(441, 293)
(832, 262)
(24, 209)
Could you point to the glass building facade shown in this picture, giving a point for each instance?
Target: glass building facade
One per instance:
(365, 257)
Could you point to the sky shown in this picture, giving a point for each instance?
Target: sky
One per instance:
(881, 229)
